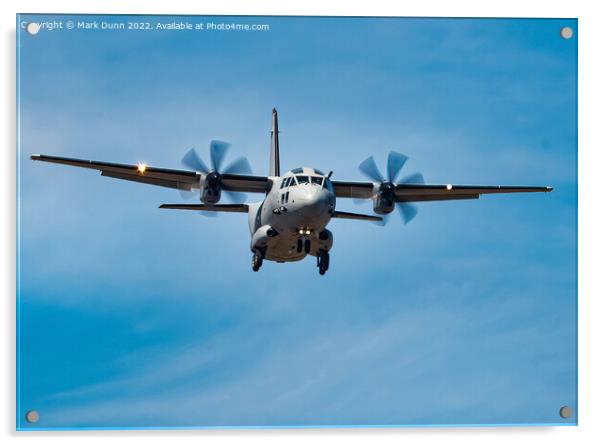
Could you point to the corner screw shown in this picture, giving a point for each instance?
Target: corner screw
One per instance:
(32, 416)
(565, 412)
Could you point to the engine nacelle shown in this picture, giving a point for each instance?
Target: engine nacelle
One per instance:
(211, 188)
(384, 199)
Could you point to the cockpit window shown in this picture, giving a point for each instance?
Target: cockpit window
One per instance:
(316, 180)
(291, 181)
(303, 179)
(297, 170)
(318, 172)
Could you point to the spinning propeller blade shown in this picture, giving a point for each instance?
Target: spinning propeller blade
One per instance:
(369, 168)
(407, 211)
(193, 161)
(217, 151)
(395, 163)
(415, 178)
(239, 166)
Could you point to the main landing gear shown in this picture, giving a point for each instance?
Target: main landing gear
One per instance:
(257, 261)
(323, 261)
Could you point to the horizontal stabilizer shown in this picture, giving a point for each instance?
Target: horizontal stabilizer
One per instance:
(359, 216)
(231, 208)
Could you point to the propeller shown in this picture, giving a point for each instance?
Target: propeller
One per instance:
(395, 163)
(217, 154)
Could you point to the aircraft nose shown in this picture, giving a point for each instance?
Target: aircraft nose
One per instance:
(314, 201)
(311, 198)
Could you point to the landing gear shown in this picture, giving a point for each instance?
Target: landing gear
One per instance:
(257, 261)
(307, 246)
(323, 261)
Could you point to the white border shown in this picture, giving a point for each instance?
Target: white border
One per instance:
(590, 38)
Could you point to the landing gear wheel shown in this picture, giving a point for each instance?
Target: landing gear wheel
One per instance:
(257, 262)
(323, 261)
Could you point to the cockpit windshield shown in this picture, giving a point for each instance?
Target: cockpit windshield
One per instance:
(291, 181)
(302, 179)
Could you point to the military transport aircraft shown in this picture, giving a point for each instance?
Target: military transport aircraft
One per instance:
(290, 222)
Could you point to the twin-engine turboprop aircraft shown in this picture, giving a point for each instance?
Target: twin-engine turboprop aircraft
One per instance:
(290, 222)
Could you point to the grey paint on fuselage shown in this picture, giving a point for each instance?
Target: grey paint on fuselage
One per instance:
(288, 213)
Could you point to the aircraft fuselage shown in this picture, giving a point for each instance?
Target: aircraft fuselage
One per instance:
(291, 221)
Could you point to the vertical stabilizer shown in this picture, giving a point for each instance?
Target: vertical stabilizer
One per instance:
(274, 146)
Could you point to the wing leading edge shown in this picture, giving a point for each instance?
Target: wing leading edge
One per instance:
(163, 177)
(430, 192)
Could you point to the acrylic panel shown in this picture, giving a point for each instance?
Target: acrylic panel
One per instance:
(295, 221)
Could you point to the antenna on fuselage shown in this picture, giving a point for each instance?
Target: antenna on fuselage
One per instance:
(274, 146)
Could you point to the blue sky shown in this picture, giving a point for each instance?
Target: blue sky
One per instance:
(131, 316)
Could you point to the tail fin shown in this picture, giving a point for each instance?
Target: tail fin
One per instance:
(274, 146)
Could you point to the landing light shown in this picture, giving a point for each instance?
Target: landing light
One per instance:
(448, 187)
(307, 232)
(141, 167)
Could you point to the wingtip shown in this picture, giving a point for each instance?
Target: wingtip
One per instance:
(35, 157)
(549, 189)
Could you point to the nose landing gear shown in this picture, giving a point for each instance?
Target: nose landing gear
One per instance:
(323, 261)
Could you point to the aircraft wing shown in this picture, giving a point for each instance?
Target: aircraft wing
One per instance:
(429, 192)
(444, 192)
(359, 190)
(230, 208)
(245, 183)
(163, 177)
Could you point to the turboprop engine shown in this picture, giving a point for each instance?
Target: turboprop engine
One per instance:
(211, 179)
